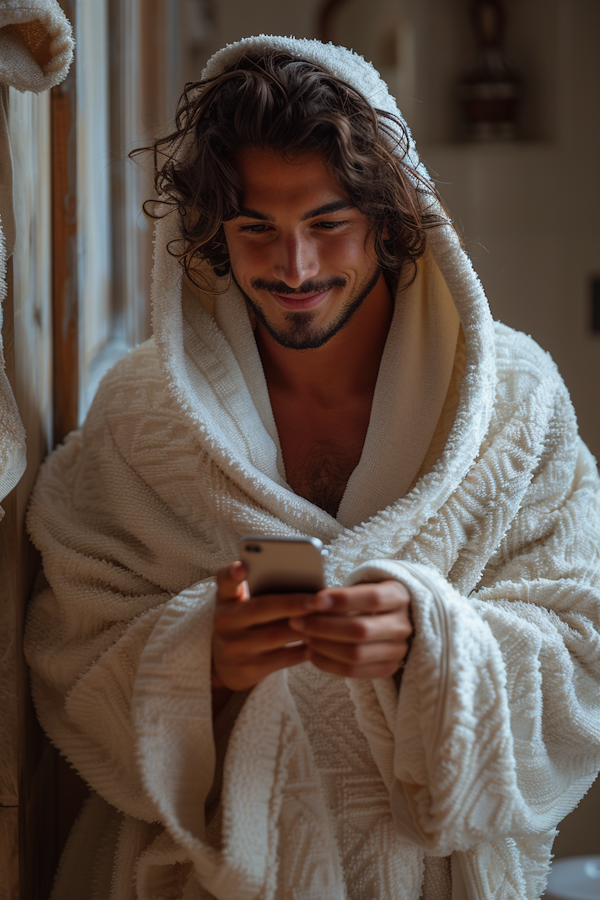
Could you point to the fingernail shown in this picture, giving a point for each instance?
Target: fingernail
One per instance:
(321, 601)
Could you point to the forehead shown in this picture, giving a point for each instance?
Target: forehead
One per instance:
(275, 185)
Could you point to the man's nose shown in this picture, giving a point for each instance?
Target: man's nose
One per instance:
(296, 260)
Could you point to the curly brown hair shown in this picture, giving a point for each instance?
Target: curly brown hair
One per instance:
(291, 106)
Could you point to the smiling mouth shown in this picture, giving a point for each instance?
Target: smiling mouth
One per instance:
(299, 301)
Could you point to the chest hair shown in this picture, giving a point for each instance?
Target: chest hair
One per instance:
(320, 474)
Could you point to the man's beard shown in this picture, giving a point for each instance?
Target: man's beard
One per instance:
(301, 334)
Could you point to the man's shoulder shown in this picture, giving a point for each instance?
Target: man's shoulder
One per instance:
(135, 384)
(134, 420)
(524, 368)
(532, 401)
(140, 362)
(518, 353)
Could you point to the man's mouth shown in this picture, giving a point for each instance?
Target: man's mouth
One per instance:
(299, 301)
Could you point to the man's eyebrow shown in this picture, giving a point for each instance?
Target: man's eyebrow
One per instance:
(254, 214)
(334, 206)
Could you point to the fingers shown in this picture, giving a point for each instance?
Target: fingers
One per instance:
(252, 636)
(231, 583)
(360, 632)
(240, 645)
(365, 635)
(373, 598)
(231, 617)
(359, 655)
(395, 626)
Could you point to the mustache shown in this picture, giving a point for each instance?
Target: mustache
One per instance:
(308, 287)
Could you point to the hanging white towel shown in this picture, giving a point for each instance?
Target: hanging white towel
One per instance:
(36, 50)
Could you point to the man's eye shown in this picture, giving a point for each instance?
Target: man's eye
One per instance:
(330, 226)
(253, 229)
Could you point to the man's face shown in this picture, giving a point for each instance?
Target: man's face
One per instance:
(300, 250)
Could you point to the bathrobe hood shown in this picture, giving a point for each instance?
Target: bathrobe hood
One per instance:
(252, 455)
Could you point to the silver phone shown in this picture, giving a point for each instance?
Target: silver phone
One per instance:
(283, 565)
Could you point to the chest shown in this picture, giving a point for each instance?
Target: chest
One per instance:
(321, 449)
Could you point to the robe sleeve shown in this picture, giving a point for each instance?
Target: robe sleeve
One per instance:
(495, 733)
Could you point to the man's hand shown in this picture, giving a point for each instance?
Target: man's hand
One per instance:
(357, 632)
(251, 633)
(364, 634)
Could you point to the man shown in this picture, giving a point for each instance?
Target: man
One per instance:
(418, 728)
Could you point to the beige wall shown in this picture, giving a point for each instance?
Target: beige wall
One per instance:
(236, 19)
(528, 209)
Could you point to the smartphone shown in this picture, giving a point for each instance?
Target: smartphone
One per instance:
(283, 565)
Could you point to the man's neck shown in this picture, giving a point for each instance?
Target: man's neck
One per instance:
(344, 367)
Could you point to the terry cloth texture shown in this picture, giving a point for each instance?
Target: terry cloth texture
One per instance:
(36, 44)
(36, 50)
(330, 789)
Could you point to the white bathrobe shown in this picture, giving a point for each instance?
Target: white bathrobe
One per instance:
(313, 787)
